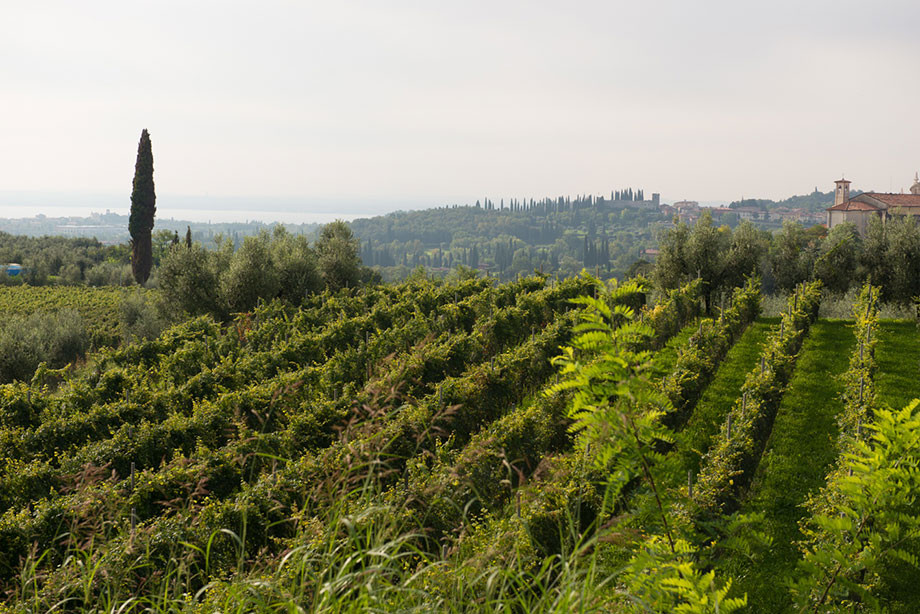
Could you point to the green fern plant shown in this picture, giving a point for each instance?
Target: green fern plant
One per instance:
(868, 518)
(664, 579)
(616, 417)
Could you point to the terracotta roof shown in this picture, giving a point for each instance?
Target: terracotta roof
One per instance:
(897, 200)
(853, 205)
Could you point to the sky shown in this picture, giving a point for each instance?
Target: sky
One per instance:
(349, 108)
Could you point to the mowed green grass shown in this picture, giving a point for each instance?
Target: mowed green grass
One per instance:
(898, 356)
(799, 453)
(709, 413)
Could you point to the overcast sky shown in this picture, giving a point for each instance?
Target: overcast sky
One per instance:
(436, 102)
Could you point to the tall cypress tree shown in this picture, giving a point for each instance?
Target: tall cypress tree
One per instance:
(143, 208)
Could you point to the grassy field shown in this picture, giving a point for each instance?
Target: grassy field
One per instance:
(800, 450)
(898, 348)
(716, 401)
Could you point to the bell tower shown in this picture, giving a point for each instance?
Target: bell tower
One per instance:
(842, 193)
(915, 189)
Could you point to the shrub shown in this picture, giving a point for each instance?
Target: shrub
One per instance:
(109, 274)
(188, 281)
(57, 339)
(138, 318)
(672, 313)
(251, 275)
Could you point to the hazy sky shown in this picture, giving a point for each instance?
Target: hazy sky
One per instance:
(336, 103)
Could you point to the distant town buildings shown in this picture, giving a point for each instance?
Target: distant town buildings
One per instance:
(752, 214)
(687, 210)
(859, 210)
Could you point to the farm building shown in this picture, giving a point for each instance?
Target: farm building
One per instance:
(862, 208)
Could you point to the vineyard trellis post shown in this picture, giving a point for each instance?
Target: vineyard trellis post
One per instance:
(133, 508)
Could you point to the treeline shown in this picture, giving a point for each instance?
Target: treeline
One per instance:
(54, 260)
(888, 256)
(816, 201)
(189, 281)
(65, 260)
(195, 281)
(561, 203)
(508, 239)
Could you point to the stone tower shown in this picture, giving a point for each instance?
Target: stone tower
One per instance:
(842, 193)
(915, 189)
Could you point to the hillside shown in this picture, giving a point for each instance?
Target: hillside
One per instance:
(556, 236)
(412, 447)
(817, 201)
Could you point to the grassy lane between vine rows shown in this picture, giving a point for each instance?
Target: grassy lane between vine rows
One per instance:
(664, 359)
(898, 377)
(799, 453)
(709, 414)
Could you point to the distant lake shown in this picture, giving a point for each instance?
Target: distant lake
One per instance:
(205, 208)
(191, 215)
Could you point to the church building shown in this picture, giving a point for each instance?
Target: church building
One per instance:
(862, 208)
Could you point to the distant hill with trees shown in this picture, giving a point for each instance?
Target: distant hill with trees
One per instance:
(615, 235)
(506, 239)
(816, 201)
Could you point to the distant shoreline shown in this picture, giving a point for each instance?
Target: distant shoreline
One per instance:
(201, 216)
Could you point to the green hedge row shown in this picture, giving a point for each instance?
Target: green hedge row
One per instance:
(213, 423)
(152, 437)
(264, 508)
(672, 313)
(195, 370)
(500, 461)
